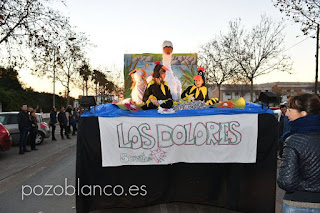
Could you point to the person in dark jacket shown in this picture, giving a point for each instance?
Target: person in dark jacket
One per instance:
(283, 127)
(68, 116)
(158, 92)
(53, 122)
(299, 173)
(62, 118)
(24, 127)
(33, 129)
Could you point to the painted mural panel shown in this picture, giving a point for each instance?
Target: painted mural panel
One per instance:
(184, 67)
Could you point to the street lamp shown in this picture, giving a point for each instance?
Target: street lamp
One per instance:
(54, 71)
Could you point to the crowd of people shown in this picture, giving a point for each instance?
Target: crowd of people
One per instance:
(67, 119)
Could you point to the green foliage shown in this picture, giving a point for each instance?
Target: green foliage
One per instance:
(12, 95)
(127, 81)
(187, 77)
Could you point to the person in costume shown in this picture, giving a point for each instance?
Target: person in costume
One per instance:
(158, 93)
(198, 91)
(173, 82)
(138, 86)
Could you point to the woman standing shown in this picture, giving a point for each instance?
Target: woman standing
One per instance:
(33, 129)
(299, 173)
(53, 122)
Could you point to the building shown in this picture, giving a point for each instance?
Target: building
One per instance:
(281, 89)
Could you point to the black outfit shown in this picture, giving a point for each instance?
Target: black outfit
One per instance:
(24, 127)
(199, 94)
(281, 127)
(53, 122)
(159, 92)
(33, 132)
(23, 120)
(62, 118)
(68, 115)
(299, 173)
(73, 123)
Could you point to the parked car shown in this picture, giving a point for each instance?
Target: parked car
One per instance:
(5, 138)
(10, 121)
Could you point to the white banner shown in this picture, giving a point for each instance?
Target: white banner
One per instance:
(167, 140)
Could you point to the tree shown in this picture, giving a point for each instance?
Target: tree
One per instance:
(61, 60)
(85, 72)
(12, 94)
(257, 52)
(9, 78)
(70, 61)
(105, 86)
(307, 14)
(29, 23)
(96, 78)
(218, 68)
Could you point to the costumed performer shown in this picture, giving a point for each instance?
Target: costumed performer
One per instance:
(173, 82)
(198, 91)
(158, 92)
(138, 86)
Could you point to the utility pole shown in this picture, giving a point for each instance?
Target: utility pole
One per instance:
(317, 62)
(54, 79)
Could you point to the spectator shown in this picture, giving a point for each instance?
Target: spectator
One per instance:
(299, 173)
(37, 108)
(33, 129)
(29, 110)
(283, 127)
(62, 118)
(53, 122)
(73, 124)
(68, 115)
(76, 112)
(24, 127)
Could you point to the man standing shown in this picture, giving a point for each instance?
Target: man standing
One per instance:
(283, 127)
(53, 122)
(24, 127)
(68, 113)
(62, 118)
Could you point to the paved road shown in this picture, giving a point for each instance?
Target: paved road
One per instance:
(53, 164)
(50, 165)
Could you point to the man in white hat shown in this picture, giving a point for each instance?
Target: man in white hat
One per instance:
(173, 82)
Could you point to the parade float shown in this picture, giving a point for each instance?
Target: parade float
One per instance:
(218, 154)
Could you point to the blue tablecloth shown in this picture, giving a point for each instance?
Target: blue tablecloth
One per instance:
(111, 110)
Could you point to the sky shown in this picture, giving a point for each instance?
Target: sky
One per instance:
(126, 26)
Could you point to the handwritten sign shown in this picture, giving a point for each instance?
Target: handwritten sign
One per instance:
(197, 139)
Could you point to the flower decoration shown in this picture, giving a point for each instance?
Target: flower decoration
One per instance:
(131, 107)
(157, 63)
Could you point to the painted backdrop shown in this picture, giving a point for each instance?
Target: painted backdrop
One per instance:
(184, 66)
